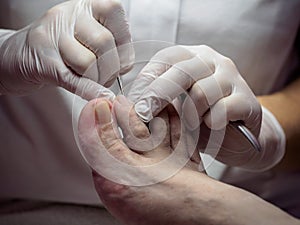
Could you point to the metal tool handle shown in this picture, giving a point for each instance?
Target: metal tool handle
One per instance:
(120, 84)
(247, 133)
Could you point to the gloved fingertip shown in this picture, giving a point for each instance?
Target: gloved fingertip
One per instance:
(127, 57)
(215, 123)
(121, 99)
(143, 110)
(99, 93)
(106, 94)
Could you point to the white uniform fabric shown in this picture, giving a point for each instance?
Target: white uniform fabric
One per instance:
(39, 158)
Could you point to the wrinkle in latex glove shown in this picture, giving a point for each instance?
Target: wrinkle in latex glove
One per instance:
(157, 98)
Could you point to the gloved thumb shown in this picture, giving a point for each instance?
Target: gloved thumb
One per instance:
(85, 88)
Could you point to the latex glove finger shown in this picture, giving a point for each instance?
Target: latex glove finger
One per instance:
(76, 56)
(159, 64)
(88, 89)
(203, 94)
(218, 97)
(169, 85)
(112, 16)
(101, 42)
(273, 142)
(232, 108)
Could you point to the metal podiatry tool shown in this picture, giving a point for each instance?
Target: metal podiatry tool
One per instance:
(247, 133)
(120, 84)
(236, 124)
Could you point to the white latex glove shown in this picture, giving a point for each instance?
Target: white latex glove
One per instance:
(218, 94)
(75, 45)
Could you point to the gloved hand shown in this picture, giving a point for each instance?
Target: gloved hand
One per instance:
(74, 45)
(217, 94)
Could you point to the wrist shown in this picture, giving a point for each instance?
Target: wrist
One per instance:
(284, 105)
(272, 140)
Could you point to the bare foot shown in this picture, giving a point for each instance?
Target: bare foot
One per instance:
(166, 201)
(140, 190)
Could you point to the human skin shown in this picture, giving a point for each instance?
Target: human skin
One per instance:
(188, 197)
(285, 106)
